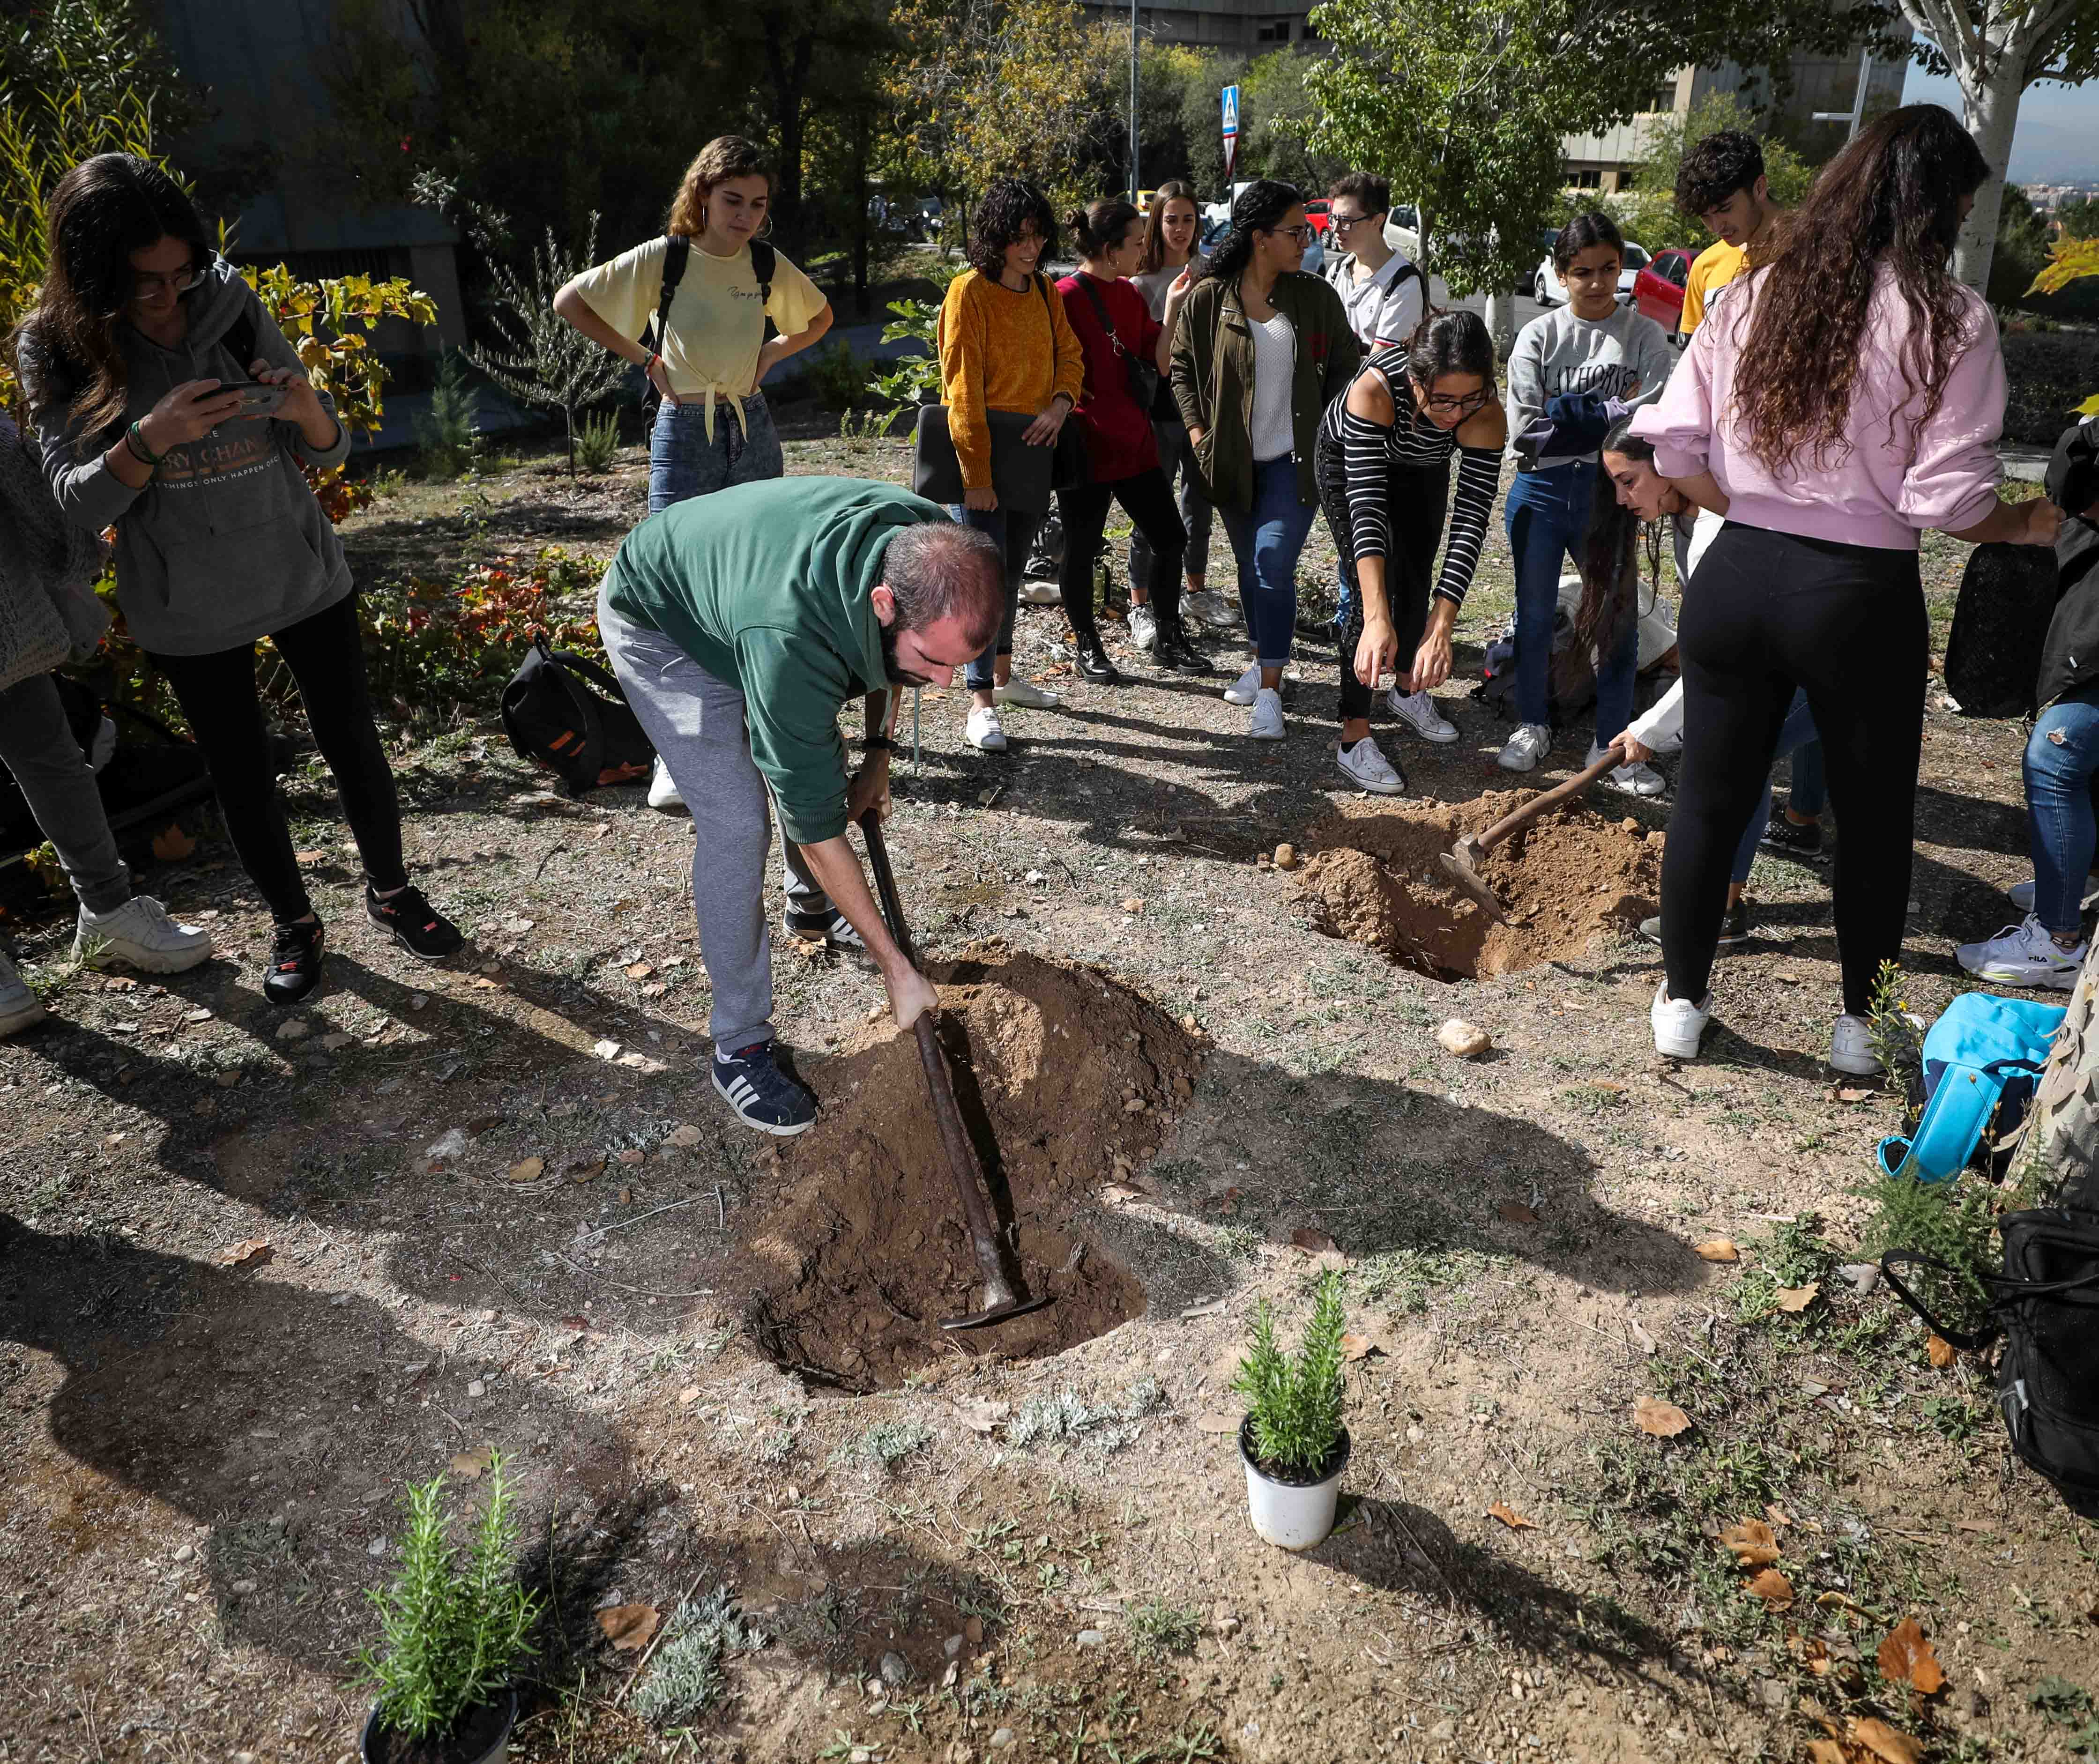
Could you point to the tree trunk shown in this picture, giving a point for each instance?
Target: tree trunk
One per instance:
(1500, 322)
(859, 198)
(790, 71)
(1992, 112)
(569, 422)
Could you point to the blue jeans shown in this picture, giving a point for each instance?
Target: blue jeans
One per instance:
(1266, 540)
(1547, 514)
(1013, 533)
(1810, 786)
(2061, 768)
(1796, 735)
(683, 462)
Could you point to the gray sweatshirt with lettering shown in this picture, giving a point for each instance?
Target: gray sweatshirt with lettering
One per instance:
(1557, 352)
(224, 543)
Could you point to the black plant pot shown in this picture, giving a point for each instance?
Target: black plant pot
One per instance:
(482, 1735)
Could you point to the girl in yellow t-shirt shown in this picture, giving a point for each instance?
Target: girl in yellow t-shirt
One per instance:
(713, 428)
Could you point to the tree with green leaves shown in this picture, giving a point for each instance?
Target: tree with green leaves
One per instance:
(2078, 216)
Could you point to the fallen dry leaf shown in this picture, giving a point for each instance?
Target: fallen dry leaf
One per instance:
(1517, 1213)
(1939, 1351)
(1312, 1243)
(1847, 1094)
(171, 845)
(1771, 1587)
(1355, 1347)
(1216, 1424)
(980, 1414)
(529, 1171)
(658, 988)
(628, 1627)
(629, 1155)
(1884, 1742)
(1720, 1249)
(1907, 1658)
(1825, 1751)
(686, 1137)
(1641, 1339)
(689, 1396)
(1132, 904)
(472, 1464)
(1120, 1194)
(1778, 1515)
(1509, 1517)
(1664, 1420)
(1797, 1299)
(1755, 1543)
(308, 857)
(255, 1250)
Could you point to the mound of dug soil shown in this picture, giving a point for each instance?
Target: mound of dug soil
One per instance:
(1059, 1070)
(1561, 880)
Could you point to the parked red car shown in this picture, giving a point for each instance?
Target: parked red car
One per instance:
(1315, 211)
(1658, 289)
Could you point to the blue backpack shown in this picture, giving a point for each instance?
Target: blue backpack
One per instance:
(1982, 1060)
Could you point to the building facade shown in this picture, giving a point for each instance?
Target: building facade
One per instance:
(1250, 27)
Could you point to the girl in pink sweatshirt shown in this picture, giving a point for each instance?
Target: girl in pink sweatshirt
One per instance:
(1841, 398)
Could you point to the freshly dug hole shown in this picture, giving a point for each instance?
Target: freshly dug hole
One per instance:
(865, 1251)
(1566, 877)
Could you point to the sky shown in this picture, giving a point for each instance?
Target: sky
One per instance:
(2057, 138)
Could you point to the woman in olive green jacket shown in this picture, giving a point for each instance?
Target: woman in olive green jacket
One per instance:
(1261, 351)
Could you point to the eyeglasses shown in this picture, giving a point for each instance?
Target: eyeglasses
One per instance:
(1342, 223)
(1464, 406)
(144, 283)
(1301, 233)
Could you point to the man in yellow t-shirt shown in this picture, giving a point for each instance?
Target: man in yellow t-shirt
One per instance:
(1720, 183)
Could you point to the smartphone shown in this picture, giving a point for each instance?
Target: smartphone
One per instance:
(262, 401)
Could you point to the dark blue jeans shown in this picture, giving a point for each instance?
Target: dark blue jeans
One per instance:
(683, 461)
(1796, 735)
(1548, 516)
(2062, 770)
(1267, 540)
(1013, 533)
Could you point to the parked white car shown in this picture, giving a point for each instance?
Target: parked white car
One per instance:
(1548, 290)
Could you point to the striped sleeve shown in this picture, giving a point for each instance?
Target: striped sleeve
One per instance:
(1365, 454)
(1479, 476)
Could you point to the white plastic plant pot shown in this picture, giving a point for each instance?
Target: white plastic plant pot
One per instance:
(1292, 1514)
(381, 1745)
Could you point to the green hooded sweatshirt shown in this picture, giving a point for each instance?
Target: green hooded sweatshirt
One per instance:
(766, 586)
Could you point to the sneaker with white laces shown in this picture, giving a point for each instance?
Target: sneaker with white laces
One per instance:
(2022, 896)
(1026, 696)
(1036, 592)
(19, 1006)
(1143, 626)
(1677, 1023)
(1209, 608)
(1267, 723)
(1418, 711)
(140, 934)
(2023, 955)
(1851, 1048)
(1242, 690)
(1639, 779)
(984, 730)
(663, 790)
(750, 1082)
(1366, 766)
(1525, 749)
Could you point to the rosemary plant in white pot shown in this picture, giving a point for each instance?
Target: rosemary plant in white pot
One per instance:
(453, 1627)
(1291, 1440)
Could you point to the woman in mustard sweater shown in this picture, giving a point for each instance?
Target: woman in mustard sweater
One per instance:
(1004, 345)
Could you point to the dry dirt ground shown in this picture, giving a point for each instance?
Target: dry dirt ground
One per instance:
(713, 1363)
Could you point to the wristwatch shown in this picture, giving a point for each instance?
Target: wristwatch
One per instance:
(873, 742)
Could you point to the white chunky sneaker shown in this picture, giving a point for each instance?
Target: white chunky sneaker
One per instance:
(1037, 592)
(19, 1006)
(663, 790)
(1267, 724)
(1418, 711)
(1210, 608)
(140, 934)
(1242, 690)
(1366, 766)
(1639, 779)
(2022, 895)
(1677, 1023)
(984, 730)
(1524, 750)
(1143, 626)
(1851, 1048)
(2023, 955)
(1026, 696)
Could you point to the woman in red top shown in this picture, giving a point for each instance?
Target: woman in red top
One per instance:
(1118, 335)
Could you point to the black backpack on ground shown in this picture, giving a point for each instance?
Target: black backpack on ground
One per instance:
(554, 719)
(677, 253)
(2000, 621)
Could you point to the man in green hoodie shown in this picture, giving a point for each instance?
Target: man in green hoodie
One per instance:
(739, 624)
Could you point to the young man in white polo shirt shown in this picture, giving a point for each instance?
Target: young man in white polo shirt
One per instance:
(1385, 294)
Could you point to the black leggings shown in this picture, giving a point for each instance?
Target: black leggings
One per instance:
(217, 693)
(1845, 623)
(1148, 500)
(1414, 503)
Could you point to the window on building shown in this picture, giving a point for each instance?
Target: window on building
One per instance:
(1272, 31)
(1664, 97)
(1588, 179)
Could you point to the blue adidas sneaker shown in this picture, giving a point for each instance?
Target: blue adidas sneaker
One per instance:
(763, 1097)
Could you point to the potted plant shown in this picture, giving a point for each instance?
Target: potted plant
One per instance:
(451, 1629)
(1293, 1442)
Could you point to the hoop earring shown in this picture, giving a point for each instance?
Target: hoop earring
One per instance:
(766, 230)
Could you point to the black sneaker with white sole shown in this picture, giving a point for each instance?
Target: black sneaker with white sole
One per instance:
(763, 1097)
(1789, 837)
(1734, 929)
(417, 925)
(832, 929)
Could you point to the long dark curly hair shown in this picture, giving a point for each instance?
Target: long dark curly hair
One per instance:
(1614, 548)
(1892, 201)
(1005, 206)
(99, 212)
(1259, 208)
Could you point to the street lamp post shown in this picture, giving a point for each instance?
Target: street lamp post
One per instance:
(1132, 103)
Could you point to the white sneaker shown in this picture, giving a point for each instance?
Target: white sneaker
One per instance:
(1143, 626)
(1036, 592)
(1243, 690)
(1418, 711)
(663, 790)
(1524, 750)
(1677, 1023)
(1209, 608)
(984, 730)
(1267, 724)
(2022, 896)
(1026, 696)
(1639, 779)
(2023, 955)
(140, 934)
(1368, 767)
(19, 1006)
(1851, 1048)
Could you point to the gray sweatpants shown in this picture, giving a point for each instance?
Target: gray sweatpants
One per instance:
(37, 745)
(697, 724)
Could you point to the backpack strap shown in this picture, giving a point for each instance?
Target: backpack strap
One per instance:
(763, 261)
(240, 339)
(590, 670)
(1962, 1102)
(1893, 1259)
(677, 253)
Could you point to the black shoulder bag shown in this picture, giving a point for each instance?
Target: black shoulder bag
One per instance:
(554, 719)
(1143, 375)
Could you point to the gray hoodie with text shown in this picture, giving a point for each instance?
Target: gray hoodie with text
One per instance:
(226, 544)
